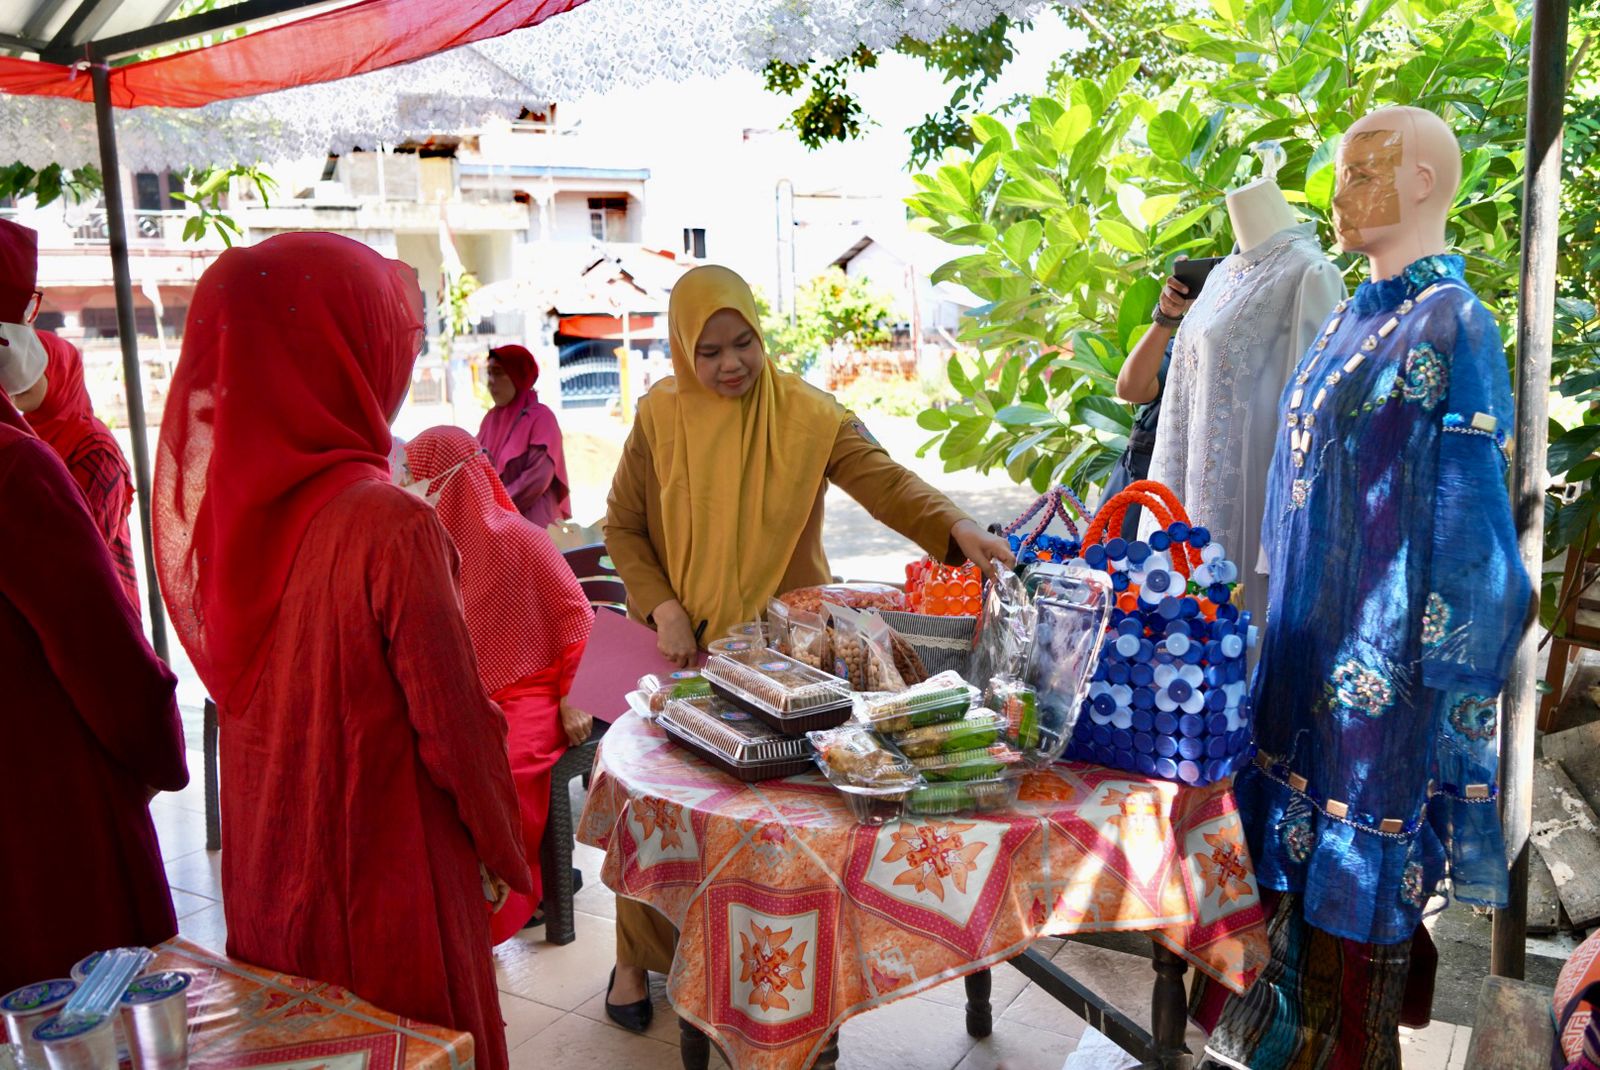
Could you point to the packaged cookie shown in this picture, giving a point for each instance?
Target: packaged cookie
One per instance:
(810, 641)
(863, 651)
(731, 739)
(872, 776)
(778, 626)
(979, 763)
(850, 595)
(784, 692)
(979, 728)
(945, 697)
(686, 683)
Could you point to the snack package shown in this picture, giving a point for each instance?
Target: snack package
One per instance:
(945, 697)
(810, 640)
(964, 796)
(1015, 703)
(1069, 579)
(979, 728)
(849, 595)
(854, 759)
(863, 651)
(1065, 648)
(980, 763)
(686, 683)
(1005, 629)
(778, 626)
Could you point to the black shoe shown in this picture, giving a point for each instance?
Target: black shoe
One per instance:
(634, 1017)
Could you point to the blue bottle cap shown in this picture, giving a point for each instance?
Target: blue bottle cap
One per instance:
(1130, 626)
(1122, 739)
(1095, 557)
(1159, 581)
(1141, 674)
(1228, 612)
(1103, 755)
(1143, 719)
(1166, 746)
(1118, 672)
(1216, 675)
(1194, 655)
(1117, 616)
(1123, 758)
(1117, 549)
(1143, 697)
(1105, 704)
(1217, 724)
(1102, 734)
(1144, 742)
(1147, 650)
(1181, 627)
(1128, 645)
(1166, 723)
(1166, 768)
(1015, 542)
(1216, 769)
(1217, 747)
(1216, 701)
(1191, 724)
(1221, 629)
(1138, 552)
(1236, 671)
(1160, 541)
(1245, 620)
(1177, 642)
(1199, 538)
(1232, 647)
(1178, 530)
(1179, 691)
(1099, 673)
(1188, 608)
(1120, 581)
(1170, 608)
(1123, 718)
(1191, 748)
(1188, 772)
(1219, 594)
(1146, 764)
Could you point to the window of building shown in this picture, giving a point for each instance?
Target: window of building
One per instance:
(608, 218)
(153, 191)
(694, 242)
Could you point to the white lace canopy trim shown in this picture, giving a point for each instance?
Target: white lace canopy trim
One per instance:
(597, 46)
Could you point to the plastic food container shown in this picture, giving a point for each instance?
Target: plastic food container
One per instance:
(1065, 650)
(871, 774)
(155, 1016)
(24, 1008)
(732, 740)
(686, 683)
(732, 645)
(87, 1043)
(942, 698)
(789, 695)
(755, 631)
(964, 796)
(980, 763)
(849, 595)
(979, 728)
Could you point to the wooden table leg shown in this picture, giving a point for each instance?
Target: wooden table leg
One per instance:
(828, 1058)
(980, 1013)
(694, 1047)
(1169, 1011)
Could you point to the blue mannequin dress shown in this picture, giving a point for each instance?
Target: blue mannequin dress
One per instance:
(1396, 601)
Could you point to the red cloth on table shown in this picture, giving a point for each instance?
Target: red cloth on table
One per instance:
(90, 723)
(523, 440)
(524, 606)
(536, 742)
(65, 420)
(364, 766)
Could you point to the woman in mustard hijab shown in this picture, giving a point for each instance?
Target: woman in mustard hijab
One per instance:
(717, 506)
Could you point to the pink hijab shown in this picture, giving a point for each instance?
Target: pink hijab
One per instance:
(510, 431)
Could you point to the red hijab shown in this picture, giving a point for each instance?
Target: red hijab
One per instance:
(512, 429)
(65, 418)
(523, 605)
(297, 353)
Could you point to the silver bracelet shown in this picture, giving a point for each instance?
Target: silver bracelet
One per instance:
(1161, 319)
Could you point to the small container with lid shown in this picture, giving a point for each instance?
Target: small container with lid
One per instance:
(155, 1017)
(789, 695)
(731, 644)
(757, 632)
(869, 772)
(979, 728)
(941, 698)
(24, 1008)
(658, 690)
(947, 798)
(979, 763)
(85, 1042)
(731, 739)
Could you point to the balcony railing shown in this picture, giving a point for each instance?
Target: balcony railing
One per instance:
(146, 228)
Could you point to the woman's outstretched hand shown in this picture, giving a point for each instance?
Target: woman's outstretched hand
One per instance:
(495, 890)
(674, 634)
(982, 548)
(575, 723)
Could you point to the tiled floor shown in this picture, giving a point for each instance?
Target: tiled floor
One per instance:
(553, 996)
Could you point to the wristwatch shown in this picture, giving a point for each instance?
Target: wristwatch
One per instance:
(1161, 319)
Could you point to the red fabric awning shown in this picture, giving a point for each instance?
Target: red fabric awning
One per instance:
(639, 327)
(320, 48)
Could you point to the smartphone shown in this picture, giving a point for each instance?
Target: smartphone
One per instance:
(1192, 273)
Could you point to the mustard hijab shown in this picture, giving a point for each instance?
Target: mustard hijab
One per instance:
(739, 476)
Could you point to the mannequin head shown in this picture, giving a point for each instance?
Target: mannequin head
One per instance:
(1397, 174)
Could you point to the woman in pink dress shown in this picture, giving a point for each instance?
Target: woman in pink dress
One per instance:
(523, 439)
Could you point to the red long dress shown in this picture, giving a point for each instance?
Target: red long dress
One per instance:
(90, 724)
(354, 828)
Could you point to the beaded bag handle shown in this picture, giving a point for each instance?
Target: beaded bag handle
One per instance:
(1054, 505)
(1160, 500)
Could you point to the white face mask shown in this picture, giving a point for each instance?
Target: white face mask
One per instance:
(429, 490)
(22, 358)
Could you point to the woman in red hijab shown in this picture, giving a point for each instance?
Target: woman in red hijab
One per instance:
(367, 803)
(58, 408)
(523, 439)
(91, 729)
(529, 621)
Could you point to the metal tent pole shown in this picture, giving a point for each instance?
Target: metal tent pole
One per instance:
(133, 381)
(1541, 207)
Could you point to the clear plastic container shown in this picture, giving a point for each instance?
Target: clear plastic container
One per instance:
(733, 741)
(963, 797)
(1065, 648)
(946, 697)
(869, 772)
(1015, 703)
(731, 644)
(685, 683)
(787, 694)
(979, 728)
(756, 631)
(979, 763)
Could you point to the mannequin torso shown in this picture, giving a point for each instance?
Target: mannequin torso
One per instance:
(1258, 211)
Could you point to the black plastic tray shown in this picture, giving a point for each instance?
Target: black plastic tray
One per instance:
(771, 769)
(797, 724)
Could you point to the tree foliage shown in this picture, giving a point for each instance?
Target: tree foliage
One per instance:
(832, 307)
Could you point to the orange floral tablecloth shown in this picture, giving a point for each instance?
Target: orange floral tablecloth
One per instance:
(793, 918)
(246, 1016)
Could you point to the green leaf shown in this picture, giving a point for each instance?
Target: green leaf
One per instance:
(1122, 236)
(971, 234)
(983, 170)
(1572, 448)
(1230, 10)
(1320, 174)
(966, 437)
(1180, 226)
(933, 420)
(1021, 240)
(1029, 192)
(958, 376)
(1296, 76)
(1024, 414)
(1138, 301)
(1155, 209)
(1169, 136)
(1072, 125)
(986, 128)
(1104, 414)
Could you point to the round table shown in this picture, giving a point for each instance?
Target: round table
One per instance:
(793, 918)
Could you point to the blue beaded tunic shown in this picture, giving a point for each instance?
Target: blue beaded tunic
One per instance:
(1396, 601)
